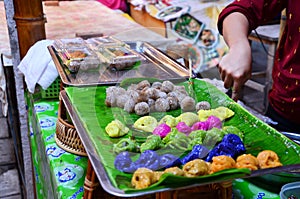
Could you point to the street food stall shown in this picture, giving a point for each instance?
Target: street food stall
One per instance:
(91, 129)
(91, 166)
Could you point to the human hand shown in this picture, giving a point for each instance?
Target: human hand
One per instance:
(235, 68)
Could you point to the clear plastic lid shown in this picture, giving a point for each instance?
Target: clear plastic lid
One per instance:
(78, 58)
(62, 44)
(111, 64)
(105, 41)
(119, 58)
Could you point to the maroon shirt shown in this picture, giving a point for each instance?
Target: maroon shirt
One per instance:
(285, 93)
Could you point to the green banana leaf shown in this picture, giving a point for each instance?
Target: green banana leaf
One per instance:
(89, 104)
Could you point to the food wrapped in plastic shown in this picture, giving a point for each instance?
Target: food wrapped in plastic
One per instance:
(105, 41)
(79, 58)
(119, 57)
(66, 43)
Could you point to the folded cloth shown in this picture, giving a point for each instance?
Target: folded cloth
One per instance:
(38, 66)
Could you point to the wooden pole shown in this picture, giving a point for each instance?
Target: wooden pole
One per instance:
(30, 22)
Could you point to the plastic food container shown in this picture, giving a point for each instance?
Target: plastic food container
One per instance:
(188, 28)
(63, 44)
(290, 191)
(119, 58)
(78, 58)
(105, 41)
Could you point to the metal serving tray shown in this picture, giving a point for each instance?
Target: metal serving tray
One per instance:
(154, 64)
(104, 178)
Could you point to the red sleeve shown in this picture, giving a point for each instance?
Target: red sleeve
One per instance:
(257, 12)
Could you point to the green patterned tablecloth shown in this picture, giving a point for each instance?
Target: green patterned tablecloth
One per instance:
(58, 174)
(245, 189)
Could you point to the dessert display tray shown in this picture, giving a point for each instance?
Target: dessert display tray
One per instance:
(90, 115)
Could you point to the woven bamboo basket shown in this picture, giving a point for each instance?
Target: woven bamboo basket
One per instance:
(66, 136)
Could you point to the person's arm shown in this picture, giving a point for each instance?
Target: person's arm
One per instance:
(235, 66)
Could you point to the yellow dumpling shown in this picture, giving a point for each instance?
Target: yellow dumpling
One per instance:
(146, 123)
(116, 129)
(189, 118)
(221, 112)
(169, 120)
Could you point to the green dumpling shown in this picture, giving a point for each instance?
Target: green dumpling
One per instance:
(233, 130)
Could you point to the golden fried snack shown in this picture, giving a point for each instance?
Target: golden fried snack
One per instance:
(142, 178)
(221, 162)
(247, 161)
(157, 175)
(195, 168)
(268, 159)
(175, 171)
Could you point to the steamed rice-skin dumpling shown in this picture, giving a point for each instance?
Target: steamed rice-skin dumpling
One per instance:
(221, 112)
(146, 123)
(116, 129)
(189, 118)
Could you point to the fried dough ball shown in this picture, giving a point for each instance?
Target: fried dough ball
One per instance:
(203, 105)
(143, 95)
(141, 108)
(152, 93)
(162, 94)
(157, 175)
(129, 105)
(112, 94)
(247, 161)
(173, 102)
(133, 94)
(175, 171)
(187, 104)
(162, 105)
(156, 85)
(143, 84)
(142, 178)
(132, 87)
(268, 159)
(221, 162)
(151, 103)
(195, 168)
(180, 89)
(167, 86)
(180, 96)
(121, 100)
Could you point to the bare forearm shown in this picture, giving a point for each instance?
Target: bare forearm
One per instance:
(235, 66)
(235, 29)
